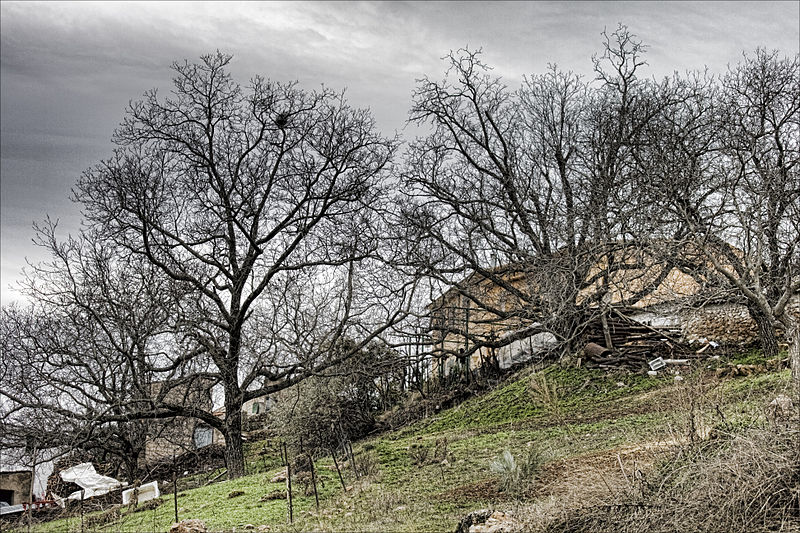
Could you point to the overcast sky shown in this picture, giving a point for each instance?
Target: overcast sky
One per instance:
(69, 69)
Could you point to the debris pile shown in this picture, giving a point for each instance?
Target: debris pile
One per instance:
(56, 485)
(633, 344)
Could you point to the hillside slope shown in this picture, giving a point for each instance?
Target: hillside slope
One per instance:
(579, 438)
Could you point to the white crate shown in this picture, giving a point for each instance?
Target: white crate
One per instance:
(148, 491)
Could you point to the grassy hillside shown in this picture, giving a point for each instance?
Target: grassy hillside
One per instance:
(577, 436)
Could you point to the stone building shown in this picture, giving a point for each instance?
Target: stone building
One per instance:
(16, 486)
(257, 406)
(174, 436)
(645, 289)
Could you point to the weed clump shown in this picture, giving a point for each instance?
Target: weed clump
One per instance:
(368, 464)
(516, 477)
(506, 466)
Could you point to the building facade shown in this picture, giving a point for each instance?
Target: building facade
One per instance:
(16, 486)
(483, 310)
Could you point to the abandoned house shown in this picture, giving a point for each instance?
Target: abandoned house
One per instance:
(484, 308)
(257, 406)
(16, 486)
(175, 436)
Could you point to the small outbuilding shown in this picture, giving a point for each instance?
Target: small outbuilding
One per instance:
(16, 486)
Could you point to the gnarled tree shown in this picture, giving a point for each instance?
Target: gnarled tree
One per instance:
(261, 204)
(528, 194)
(724, 165)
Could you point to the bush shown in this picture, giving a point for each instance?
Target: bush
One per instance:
(321, 415)
(368, 464)
(418, 454)
(510, 474)
(323, 412)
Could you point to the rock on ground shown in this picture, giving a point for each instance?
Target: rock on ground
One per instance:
(487, 521)
(192, 525)
(499, 522)
(475, 517)
(781, 407)
(280, 476)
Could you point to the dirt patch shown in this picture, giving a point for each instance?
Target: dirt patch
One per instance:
(600, 474)
(484, 490)
(596, 476)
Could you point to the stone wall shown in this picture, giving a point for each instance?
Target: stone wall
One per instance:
(16, 486)
(175, 437)
(722, 323)
(725, 323)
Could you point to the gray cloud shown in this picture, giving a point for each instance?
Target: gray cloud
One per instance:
(67, 70)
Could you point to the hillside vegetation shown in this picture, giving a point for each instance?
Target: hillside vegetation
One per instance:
(587, 450)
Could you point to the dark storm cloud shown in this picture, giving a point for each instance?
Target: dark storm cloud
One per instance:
(69, 69)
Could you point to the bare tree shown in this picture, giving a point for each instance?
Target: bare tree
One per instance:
(530, 191)
(87, 351)
(761, 145)
(262, 204)
(723, 166)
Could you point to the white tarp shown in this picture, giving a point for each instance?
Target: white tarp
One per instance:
(92, 483)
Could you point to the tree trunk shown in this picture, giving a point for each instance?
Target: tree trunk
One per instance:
(131, 465)
(766, 333)
(793, 336)
(234, 453)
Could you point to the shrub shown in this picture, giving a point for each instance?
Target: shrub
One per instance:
(418, 454)
(368, 464)
(517, 476)
(510, 474)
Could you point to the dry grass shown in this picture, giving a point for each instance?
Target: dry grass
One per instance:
(746, 482)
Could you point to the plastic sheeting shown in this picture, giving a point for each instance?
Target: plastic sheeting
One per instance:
(522, 350)
(92, 483)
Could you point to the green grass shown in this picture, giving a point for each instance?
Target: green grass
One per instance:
(580, 413)
(750, 357)
(212, 505)
(577, 390)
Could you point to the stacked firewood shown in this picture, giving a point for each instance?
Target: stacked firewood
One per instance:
(633, 343)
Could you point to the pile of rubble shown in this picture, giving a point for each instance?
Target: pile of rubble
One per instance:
(634, 344)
